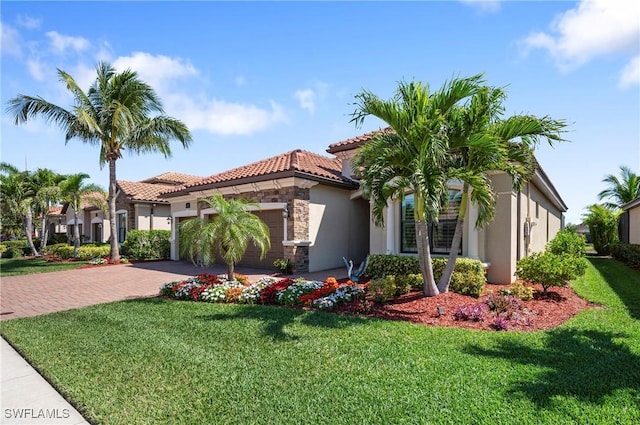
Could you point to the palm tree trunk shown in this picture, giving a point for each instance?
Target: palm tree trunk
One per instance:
(424, 257)
(230, 270)
(44, 233)
(76, 233)
(445, 279)
(115, 254)
(28, 224)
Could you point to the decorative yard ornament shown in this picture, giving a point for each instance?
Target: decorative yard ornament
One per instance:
(355, 275)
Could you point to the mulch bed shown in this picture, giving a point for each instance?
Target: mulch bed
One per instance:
(543, 312)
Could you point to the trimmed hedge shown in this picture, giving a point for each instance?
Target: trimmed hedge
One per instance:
(468, 276)
(14, 249)
(148, 244)
(85, 252)
(627, 253)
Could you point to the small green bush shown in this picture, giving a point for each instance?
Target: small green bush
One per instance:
(518, 289)
(57, 238)
(567, 242)
(468, 282)
(382, 289)
(627, 253)
(12, 253)
(403, 284)
(3, 249)
(62, 250)
(148, 244)
(382, 265)
(88, 252)
(548, 269)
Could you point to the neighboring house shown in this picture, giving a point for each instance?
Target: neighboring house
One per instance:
(93, 226)
(138, 205)
(316, 214)
(629, 224)
(56, 220)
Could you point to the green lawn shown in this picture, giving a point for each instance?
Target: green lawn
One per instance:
(157, 361)
(29, 265)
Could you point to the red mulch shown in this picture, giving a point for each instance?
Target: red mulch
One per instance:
(542, 312)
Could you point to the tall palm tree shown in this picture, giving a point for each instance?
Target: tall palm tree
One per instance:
(18, 194)
(74, 191)
(621, 190)
(228, 234)
(480, 141)
(47, 184)
(118, 113)
(411, 158)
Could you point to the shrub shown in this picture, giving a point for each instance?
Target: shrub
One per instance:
(468, 275)
(473, 312)
(292, 293)
(518, 289)
(57, 238)
(627, 253)
(3, 249)
(382, 289)
(62, 250)
(549, 269)
(88, 252)
(148, 244)
(603, 227)
(341, 295)
(269, 293)
(283, 265)
(500, 323)
(404, 283)
(503, 304)
(567, 242)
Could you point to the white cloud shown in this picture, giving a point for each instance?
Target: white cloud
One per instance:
(630, 74)
(62, 43)
(483, 5)
(36, 69)
(225, 118)
(11, 44)
(594, 28)
(306, 98)
(28, 22)
(155, 70)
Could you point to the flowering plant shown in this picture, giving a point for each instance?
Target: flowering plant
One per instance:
(218, 293)
(251, 294)
(269, 294)
(343, 294)
(292, 293)
(472, 312)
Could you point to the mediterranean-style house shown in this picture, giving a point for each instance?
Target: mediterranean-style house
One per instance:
(138, 206)
(316, 213)
(629, 224)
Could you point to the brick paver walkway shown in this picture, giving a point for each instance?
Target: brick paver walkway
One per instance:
(34, 294)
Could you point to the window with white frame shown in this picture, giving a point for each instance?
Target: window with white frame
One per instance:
(121, 226)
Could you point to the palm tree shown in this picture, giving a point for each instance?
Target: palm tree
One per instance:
(48, 193)
(74, 191)
(18, 193)
(481, 142)
(228, 234)
(603, 227)
(621, 190)
(118, 113)
(412, 157)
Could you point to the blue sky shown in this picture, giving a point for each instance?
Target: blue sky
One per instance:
(252, 80)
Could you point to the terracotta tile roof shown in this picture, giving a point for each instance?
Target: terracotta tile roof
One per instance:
(172, 178)
(139, 191)
(355, 142)
(87, 202)
(284, 165)
(55, 210)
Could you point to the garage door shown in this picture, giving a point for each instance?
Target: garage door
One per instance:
(274, 221)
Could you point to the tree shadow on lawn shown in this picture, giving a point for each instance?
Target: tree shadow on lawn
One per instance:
(627, 289)
(586, 364)
(276, 319)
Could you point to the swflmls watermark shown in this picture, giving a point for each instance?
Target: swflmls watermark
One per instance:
(30, 413)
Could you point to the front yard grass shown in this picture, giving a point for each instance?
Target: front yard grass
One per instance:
(159, 361)
(29, 265)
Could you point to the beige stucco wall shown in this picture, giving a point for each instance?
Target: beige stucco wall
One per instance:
(336, 228)
(634, 225)
(161, 213)
(500, 235)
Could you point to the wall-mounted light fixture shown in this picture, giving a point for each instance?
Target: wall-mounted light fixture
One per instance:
(285, 212)
(168, 220)
(188, 205)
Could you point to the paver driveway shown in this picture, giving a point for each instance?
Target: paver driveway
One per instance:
(34, 294)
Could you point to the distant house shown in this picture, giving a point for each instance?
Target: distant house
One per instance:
(92, 222)
(316, 213)
(137, 207)
(629, 224)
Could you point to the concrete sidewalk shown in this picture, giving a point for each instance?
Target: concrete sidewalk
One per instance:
(27, 398)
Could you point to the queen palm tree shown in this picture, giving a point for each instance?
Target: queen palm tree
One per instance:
(228, 234)
(18, 193)
(412, 157)
(480, 141)
(118, 113)
(75, 191)
(621, 190)
(48, 193)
